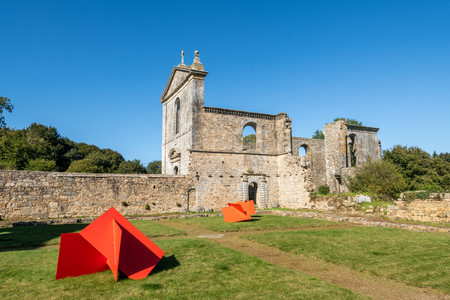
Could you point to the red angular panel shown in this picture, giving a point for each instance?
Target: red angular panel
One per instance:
(121, 245)
(78, 257)
(234, 213)
(248, 206)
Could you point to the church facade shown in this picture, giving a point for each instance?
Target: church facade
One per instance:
(271, 167)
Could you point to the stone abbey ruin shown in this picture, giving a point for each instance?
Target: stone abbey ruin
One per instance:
(205, 163)
(207, 144)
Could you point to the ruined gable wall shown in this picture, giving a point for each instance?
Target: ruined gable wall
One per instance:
(221, 130)
(315, 158)
(41, 195)
(367, 143)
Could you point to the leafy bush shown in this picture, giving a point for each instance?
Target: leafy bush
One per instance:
(422, 195)
(324, 189)
(86, 165)
(41, 165)
(378, 177)
(131, 167)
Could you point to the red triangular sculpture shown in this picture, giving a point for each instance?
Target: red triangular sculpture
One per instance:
(111, 241)
(236, 212)
(248, 206)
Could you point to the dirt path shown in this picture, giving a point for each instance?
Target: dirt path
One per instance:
(360, 282)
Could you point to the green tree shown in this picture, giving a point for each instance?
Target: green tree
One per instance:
(348, 121)
(14, 149)
(318, 134)
(154, 167)
(249, 141)
(131, 167)
(378, 177)
(5, 104)
(420, 169)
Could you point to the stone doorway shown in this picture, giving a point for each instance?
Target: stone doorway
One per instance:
(253, 192)
(191, 199)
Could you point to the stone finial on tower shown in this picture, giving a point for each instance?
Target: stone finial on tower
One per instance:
(182, 60)
(197, 65)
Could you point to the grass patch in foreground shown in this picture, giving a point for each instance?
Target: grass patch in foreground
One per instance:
(417, 258)
(191, 269)
(46, 235)
(259, 222)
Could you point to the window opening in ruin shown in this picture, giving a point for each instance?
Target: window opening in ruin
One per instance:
(175, 170)
(337, 184)
(253, 192)
(249, 137)
(302, 150)
(352, 150)
(177, 115)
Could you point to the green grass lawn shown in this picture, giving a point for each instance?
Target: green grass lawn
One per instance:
(417, 258)
(260, 222)
(191, 269)
(45, 235)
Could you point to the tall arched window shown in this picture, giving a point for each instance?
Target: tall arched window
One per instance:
(177, 115)
(175, 170)
(249, 137)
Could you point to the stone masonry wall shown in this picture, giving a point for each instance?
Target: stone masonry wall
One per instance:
(294, 181)
(223, 177)
(435, 211)
(221, 130)
(315, 157)
(335, 152)
(41, 195)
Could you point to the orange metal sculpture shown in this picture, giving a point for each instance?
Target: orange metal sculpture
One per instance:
(111, 241)
(248, 206)
(237, 212)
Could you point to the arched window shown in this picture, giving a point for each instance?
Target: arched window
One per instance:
(177, 115)
(249, 137)
(175, 170)
(302, 150)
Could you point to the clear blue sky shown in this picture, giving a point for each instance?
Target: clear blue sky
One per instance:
(95, 70)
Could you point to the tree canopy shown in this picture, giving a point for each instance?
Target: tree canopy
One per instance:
(5, 104)
(421, 170)
(41, 148)
(154, 167)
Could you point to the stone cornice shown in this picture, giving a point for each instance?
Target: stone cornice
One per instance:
(241, 113)
(236, 152)
(197, 74)
(361, 128)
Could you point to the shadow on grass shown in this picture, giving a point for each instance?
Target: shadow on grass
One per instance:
(32, 237)
(254, 219)
(166, 263)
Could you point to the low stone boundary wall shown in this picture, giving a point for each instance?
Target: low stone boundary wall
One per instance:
(31, 195)
(435, 211)
(357, 220)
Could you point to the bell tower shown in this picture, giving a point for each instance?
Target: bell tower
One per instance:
(182, 102)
